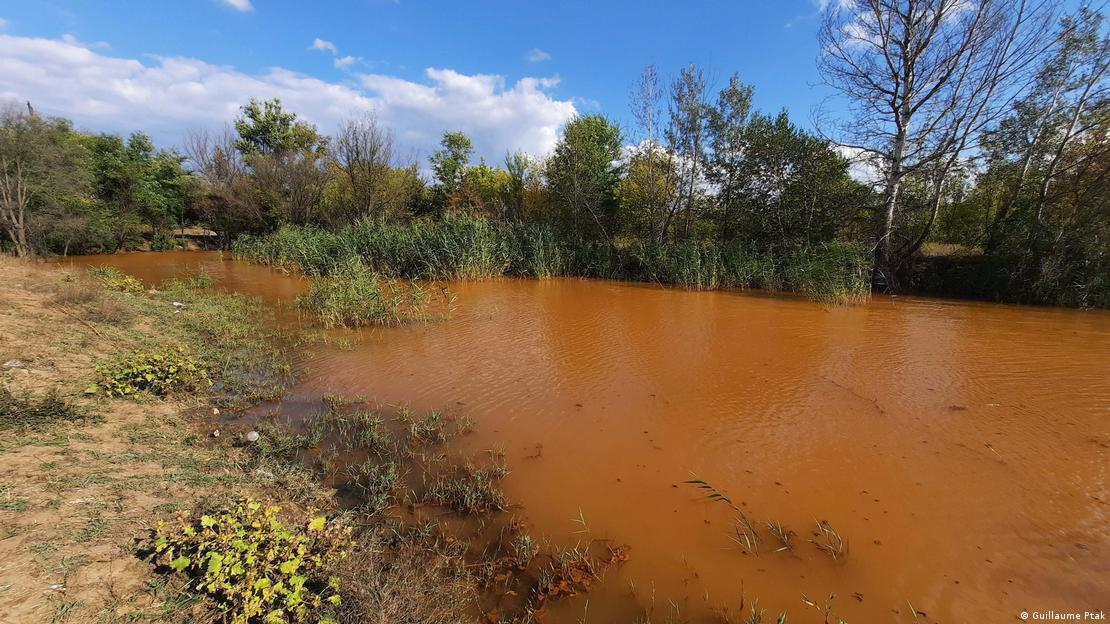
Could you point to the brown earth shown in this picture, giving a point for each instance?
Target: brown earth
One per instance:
(76, 497)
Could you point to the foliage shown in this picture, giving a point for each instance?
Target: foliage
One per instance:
(254, 566)
(354, 295)
(450, 161)
(115, 279)
(30, 412)
(160, 373)
(583, 175)
(42, 172)
(267, 129)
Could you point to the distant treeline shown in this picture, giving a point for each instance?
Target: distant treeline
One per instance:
(977, 132)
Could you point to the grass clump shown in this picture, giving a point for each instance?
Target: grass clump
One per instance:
(160, 373)
(468, 489)
(255, 567)
(30, 412)
(355, 296)
(115, 279)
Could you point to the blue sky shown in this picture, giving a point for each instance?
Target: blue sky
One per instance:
(508, 72)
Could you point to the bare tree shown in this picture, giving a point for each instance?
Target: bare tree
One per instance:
(364, 151)
(922, 79)
(653, 172)
(227, 204)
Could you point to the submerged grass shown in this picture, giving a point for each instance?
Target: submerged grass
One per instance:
(461, 247)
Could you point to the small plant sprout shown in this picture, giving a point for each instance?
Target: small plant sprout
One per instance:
(581, 521)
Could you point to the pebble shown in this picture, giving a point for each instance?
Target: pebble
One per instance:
(252, 436)
(216, 433)
(215, 411)
(14, 364)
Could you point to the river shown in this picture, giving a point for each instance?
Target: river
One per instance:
(959, 447)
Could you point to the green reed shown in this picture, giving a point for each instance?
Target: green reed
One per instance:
(461, 247)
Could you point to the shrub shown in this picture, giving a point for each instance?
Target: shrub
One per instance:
(160, 373)
(29, 412)
(255, 567)
(115, 279)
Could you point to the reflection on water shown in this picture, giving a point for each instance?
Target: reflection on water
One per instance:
(961, 448)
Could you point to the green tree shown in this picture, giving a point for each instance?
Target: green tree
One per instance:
(265, 128)
(450, 161)
(583, 174)
(42, 170)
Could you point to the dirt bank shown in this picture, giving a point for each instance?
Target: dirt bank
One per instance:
(75, 496)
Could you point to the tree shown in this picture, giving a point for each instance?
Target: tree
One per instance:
(266, 129)
(649, 196)
(364, 153)
(921, 79)
(449, 163)
(646, 192)
(140, 182)
(41, 169)
(583, 173)
(792, 189)
(226, 204)
(686, 134)
(728, 127)
(286, 158)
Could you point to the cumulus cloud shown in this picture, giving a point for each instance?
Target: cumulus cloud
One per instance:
(536, 55)
(168, 95)
(240, 5)
(323, 45)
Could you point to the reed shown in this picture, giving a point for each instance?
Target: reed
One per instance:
(830, 541)
(461, 247)
(353, 296)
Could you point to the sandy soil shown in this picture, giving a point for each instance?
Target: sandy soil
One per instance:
(76, 498)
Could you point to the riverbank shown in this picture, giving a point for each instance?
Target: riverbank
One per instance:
(127, 464)
(89, 480)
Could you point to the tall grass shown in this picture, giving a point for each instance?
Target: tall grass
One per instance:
(462, 247)
(352, 295)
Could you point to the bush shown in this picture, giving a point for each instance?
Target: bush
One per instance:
(255, 567)
(160, 374)
(28, 412)
(115, 279)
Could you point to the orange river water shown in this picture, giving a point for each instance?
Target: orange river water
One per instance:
(961, 448)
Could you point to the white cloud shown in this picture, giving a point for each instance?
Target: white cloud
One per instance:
(536, 55)
(4, 22)
(240, 5)
(345, 62)
(172, 94)
(323, 45)
(97, 45)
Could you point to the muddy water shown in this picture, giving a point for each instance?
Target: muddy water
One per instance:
(961, 448)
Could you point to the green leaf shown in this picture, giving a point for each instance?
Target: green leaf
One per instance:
(180, 563)
(317, 524)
